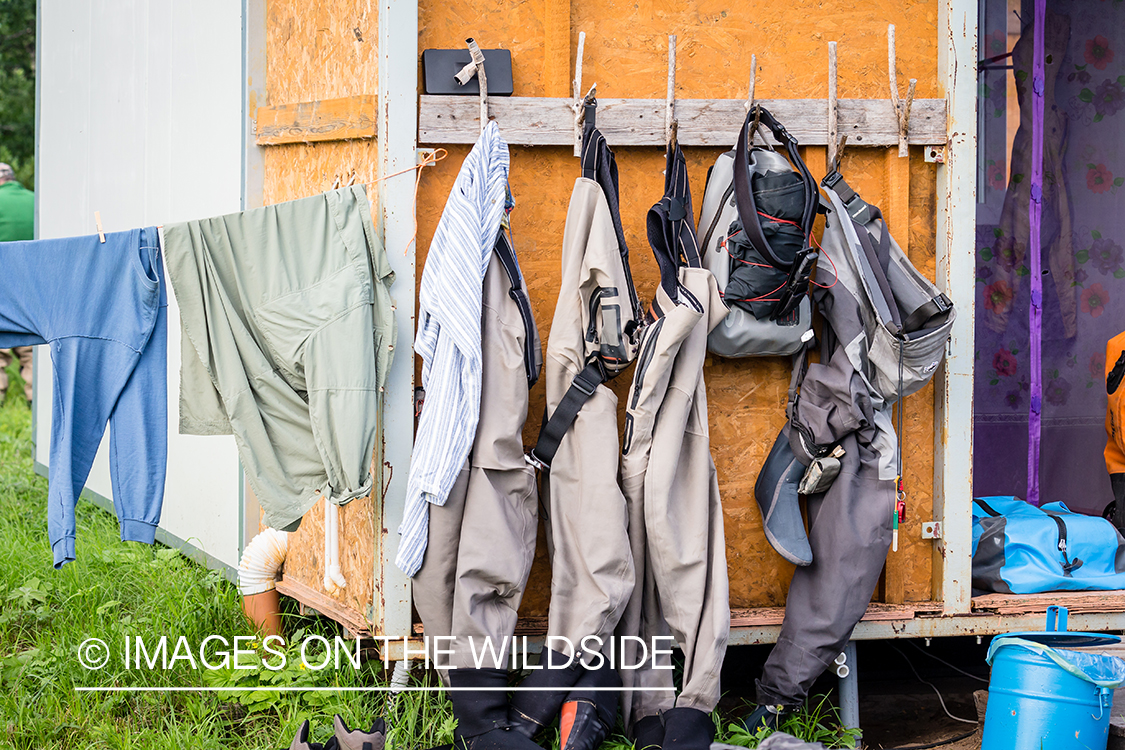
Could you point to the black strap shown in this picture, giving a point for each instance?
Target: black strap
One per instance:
(507, 256)
(921, 317)
(1069, 566)
(671, 225)
(797, 285)
(857, 208)
(554, 429)
(1113, 380)
(881, 281)
(986, 507)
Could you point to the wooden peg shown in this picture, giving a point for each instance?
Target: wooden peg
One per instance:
(476, 67)
(833, 112)
(750, 88)
(902, 109)
(579, 108)
(670, 110)
(98, 224)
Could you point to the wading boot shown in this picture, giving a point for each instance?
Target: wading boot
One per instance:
(531, 711)
(648, 733)
(687, 729)
(482, 715)
(588, 715)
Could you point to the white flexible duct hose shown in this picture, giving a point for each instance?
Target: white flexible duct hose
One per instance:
(333, 577)
(261, 561)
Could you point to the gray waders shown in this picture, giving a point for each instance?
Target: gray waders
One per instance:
(885, 335)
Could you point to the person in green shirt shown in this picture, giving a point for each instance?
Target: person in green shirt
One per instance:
(17, 222)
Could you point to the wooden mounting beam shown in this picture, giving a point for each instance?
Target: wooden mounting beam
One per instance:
(543, 121)
(325, 120)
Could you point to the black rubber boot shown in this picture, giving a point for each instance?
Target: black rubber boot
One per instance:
(687, 729)
(482, 715)
(588, 715)
(533, 710)
(648, 733)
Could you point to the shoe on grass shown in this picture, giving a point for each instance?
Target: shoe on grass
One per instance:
(301, 741)
(348, 739)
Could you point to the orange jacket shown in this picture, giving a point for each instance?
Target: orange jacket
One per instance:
(1115, 409)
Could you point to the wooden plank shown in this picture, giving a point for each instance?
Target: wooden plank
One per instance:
(1078, 602)
(764, 616)
(546, 121)
(351, 117)
(354, 621)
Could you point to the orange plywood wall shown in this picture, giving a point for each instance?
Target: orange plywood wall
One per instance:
(625, 53)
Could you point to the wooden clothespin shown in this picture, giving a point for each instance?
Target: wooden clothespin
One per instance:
(476, 67)
(670, 125)
(98, 224)
(902, 109)
(579, 103)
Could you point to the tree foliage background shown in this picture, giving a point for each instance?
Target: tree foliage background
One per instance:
(17, 88)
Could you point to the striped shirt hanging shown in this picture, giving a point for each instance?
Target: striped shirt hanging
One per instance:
(449, 337)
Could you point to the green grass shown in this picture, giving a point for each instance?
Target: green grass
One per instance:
(117, 589)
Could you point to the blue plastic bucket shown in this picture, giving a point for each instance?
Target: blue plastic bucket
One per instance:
(1034, 704)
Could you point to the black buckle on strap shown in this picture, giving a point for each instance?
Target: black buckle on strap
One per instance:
(589, 379)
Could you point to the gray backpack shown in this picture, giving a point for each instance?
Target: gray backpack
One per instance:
(906, 320)
(770, 312)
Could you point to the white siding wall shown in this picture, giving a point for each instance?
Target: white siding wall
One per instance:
(140, 118)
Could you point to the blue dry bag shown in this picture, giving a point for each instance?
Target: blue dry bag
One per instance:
(1021, 549)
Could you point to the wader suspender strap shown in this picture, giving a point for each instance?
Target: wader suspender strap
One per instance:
(599, 165)
(798, 284)
(671, 226)
(507, 256)
(554, 429)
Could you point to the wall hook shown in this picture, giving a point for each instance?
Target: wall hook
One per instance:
(901, 108)
(833, 112)
(750, 88)
(670, 124)
(579, 103)
(98, 224)
(476, 67)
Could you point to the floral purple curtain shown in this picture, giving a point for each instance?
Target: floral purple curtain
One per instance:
(1082, 234)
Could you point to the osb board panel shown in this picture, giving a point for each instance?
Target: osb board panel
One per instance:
(627, 43)
(304, 562)
(299, 170)
(321, 50)
(625, 53)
